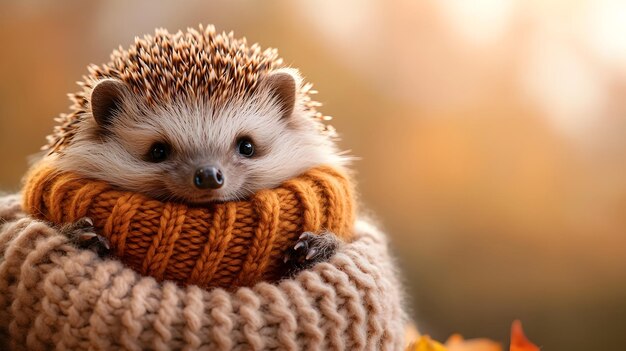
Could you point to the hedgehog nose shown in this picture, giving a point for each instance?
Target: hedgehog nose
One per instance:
(208, 178)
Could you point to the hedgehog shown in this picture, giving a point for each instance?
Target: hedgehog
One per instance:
(196, 117)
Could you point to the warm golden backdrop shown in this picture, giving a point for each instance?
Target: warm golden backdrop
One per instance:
(492, 135)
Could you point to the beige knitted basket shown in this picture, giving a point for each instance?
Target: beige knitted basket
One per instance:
(53, 296)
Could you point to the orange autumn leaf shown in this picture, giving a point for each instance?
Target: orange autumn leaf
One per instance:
(425, 343)
(454, 343)
(457, 343)
(519, 341)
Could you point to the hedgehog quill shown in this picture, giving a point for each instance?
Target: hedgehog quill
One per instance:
(194, 117)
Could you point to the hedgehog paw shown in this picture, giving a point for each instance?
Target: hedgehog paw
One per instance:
(82, 234)
(309, 250)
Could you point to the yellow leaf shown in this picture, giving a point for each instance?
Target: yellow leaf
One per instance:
(425, 343)
(457, 343)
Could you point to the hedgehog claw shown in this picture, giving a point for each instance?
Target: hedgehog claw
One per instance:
(311, 254)
(299, 245)
(309, 250)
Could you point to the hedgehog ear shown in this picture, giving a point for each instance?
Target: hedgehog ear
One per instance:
(106, 100)
(283, 84)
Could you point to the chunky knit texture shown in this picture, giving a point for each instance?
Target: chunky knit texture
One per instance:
(227, 244)
(54, 296)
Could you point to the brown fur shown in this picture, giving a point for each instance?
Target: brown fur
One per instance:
(187, 66)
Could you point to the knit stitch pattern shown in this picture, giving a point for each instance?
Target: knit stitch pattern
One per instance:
(230, 244)
(54, 296)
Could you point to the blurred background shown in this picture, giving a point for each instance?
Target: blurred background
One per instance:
(492, 135)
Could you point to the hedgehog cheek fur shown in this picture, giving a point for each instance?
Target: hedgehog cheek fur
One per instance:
(199, 136)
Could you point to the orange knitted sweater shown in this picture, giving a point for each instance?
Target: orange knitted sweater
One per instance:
(226, 244)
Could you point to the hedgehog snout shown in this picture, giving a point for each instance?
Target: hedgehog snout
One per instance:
(208, 177)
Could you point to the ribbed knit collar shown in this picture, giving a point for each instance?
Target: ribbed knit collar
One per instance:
(226, 244)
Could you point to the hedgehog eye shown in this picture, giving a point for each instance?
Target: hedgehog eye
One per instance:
(158, 152)
(245, 147)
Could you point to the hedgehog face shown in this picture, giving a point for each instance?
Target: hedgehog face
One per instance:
(196, 152)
